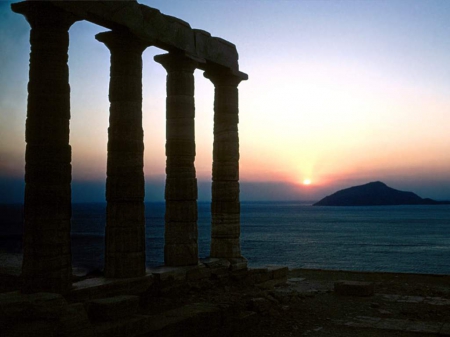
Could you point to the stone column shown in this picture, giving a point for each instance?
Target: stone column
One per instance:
(225, 206)
(125, 186)
(180, 247)
(47, 260)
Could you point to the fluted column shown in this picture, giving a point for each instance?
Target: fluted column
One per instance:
(181, 246)
(47, 261)
(125, 186)
(225, 206)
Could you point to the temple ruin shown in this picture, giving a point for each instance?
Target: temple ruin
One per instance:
(132, 28)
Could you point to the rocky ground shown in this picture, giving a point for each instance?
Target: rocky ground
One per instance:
(307, 305)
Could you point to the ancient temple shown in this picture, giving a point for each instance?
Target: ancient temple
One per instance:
(133, 27)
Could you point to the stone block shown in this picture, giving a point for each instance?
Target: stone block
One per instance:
(180, 172)
(181, 211)
(222, 207)
(125, 214)
(97, 288)
(46, 305)
(165, 273)
(168, 32)
(54, 132)
(226, 219)
(125, 265)
(175, 147)
(278, 272)
(112, 308)
(181, 254)
(13, 307)
(125, 239)
(202, 39)
(180, 83)
(392, 324)
(445, 330)
(225, 248)
(354, 288)
(218, 51)
(198, 272)
(181, 189)
(225, 151)
(180, 107)
(272, 283)
(128, 14)
(32, 328)
(225, 190)
(258, 275)
(225, 122)
(225, 171)
(238, 264)
(129, 188)
(424, 327)
(74, 322)
(125, 112)
(181, 232)
(231, 231)
(42, 154)
(227, 99)
(180, 128)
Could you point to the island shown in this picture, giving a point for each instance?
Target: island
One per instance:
(375, 194)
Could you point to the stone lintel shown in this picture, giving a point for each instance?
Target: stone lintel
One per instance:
(163, 31)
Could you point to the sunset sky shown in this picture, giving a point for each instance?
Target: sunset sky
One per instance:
(340, 92)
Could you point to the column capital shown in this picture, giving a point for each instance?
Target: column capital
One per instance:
(225, 77)
(43, 15)
(174, 62)
(123, 41)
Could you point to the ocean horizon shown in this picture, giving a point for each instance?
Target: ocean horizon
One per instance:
(410, 239)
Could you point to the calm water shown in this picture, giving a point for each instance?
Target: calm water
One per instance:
(392, 238)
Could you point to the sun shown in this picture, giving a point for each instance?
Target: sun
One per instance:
(307, 182)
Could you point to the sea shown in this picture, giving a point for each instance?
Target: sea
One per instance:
(412, 239)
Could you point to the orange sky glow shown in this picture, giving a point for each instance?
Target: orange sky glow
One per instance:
(340, 93)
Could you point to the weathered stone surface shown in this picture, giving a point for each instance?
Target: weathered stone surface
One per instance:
(223, 207)
(47, 131)
(226, 171)
(181, 211)
(125, 240)
(354, 288)
(125, 185)
(181, 232)
(125, 264)
(181, 188)
(198, 272)
(74, 322)
(226, 230)
(225, 247)
(238, 264)
(225, 190)
(278, 272)
(96, 288)
(162, 274)
(163, 31)
(113, 308)
(181, 254)
(181, 184)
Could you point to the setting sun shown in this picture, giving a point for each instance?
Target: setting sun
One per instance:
(307, 182)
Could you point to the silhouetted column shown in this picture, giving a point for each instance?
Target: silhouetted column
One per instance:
(180, 247)
(47, 264)
(125, 186)
(225, 206)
